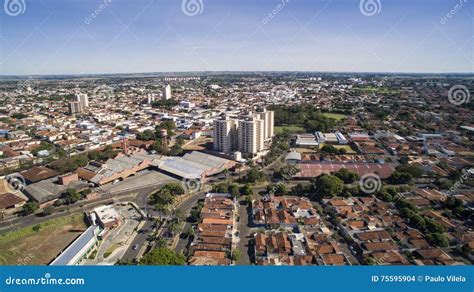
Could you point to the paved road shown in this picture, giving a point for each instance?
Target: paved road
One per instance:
(141, 238)
(138, 195)
(244, 234)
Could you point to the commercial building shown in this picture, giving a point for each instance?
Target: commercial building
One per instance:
(118, 168)
(79, 249)
(107, 216)
(195, 165)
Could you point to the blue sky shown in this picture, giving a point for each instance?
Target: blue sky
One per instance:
(127, 36)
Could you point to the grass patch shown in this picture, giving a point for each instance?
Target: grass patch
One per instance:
(110, 250)
(39, 244)
(337, 117)
(347, 147)
(289, 128)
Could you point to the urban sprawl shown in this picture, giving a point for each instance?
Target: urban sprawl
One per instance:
(237, 169)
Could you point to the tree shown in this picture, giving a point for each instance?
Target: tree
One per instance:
(72, 196)
(234, 190)
(369, 261)
(146, 135)
(48, 210)
(30, 207)
(163, 257)
(254, 175)
(246, 190)
(328, 149)
(180, 215)
(433, 226)
(438, 239)
(328, 185)
(400, 178)
(413, 170)
(347, 176)
(236, 255)
(281, 189)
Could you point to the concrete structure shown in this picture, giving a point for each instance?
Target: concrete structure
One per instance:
(79, 249)
(118, 168)
(251, 132)
(166, 92)
(83, 100)
(268, 118)
(225, 134)
(246, 134)
(306, 140)
(74, 107)
(107, 216)
(68, 178)
(195, 165)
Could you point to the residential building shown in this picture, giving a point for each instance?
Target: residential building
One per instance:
(166, 92)
(251, 133)
(225, 134)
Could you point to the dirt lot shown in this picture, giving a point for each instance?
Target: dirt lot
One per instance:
(32, 246)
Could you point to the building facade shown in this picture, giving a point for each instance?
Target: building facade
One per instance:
(166, 92)
(246, 134)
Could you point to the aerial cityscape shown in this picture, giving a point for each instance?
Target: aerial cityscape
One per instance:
(216, 166)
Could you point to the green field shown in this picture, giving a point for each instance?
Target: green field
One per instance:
(337, 117)
(39, 244)
(290, 128)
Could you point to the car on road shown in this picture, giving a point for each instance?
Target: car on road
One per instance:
(135, 247)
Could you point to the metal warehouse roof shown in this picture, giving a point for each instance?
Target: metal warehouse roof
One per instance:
(82, 241)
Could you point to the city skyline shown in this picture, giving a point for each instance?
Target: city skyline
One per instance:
(115, 37)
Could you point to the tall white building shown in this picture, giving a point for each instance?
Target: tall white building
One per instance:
(225, 134)
(246, 134)
(83, 100)
(268, 117)
(166, 92)
(74, 107)
(251, 132)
